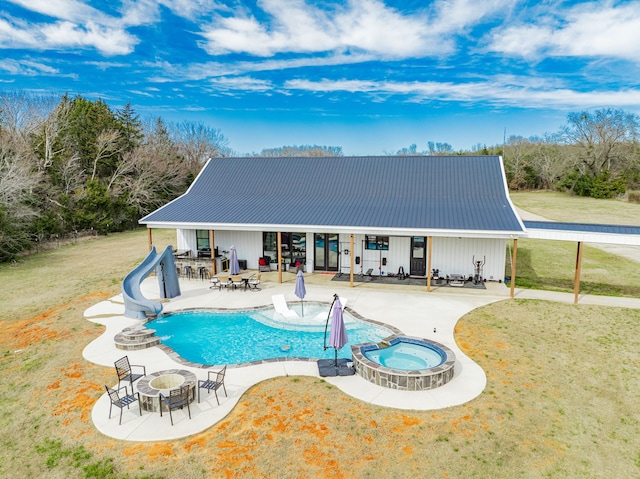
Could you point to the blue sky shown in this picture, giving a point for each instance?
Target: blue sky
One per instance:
(372, 76)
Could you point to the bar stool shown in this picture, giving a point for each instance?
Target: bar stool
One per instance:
(188, 272)
(203, 272)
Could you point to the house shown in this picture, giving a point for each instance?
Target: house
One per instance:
(378, 215)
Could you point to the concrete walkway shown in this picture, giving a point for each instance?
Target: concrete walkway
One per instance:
(408, 308)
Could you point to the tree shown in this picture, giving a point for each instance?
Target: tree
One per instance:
(604, 140)
(306, 150)
(436, 149)
(18, 180)
(197, 143)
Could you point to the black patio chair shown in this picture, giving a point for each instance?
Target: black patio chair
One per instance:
(213, 384)
(177, 398)
(125, 372)
(122, 401)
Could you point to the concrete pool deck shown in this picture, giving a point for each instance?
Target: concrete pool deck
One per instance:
(408, 308)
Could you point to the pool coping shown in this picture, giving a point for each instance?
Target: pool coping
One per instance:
(404, 379)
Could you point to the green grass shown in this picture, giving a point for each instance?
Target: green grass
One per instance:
(550, 265)
(563, 207)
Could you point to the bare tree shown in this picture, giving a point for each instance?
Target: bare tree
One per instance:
(107, 145)
(306, 150)
(604, 139)
(197, 143)
(18, 180)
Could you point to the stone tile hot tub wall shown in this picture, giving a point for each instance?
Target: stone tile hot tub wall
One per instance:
(404, 380)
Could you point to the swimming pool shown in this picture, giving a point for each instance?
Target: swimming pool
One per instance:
(234, 337)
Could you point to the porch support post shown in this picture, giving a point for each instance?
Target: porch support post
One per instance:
(429, 249)
(213, 253)
(351, 261)
(149, 238)
(514, 256)
(279, 257)
(576, 278)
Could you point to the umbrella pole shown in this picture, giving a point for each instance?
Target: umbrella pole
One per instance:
(336, 358)
(302, 307)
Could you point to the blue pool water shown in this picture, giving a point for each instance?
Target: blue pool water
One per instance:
(224, 337)
(407, 356)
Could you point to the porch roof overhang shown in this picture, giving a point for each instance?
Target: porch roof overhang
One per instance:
(583, 232)
(307, 228)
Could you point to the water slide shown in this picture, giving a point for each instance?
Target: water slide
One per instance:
(136, 306)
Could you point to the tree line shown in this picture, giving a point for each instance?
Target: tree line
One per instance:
(70, 165)
(596, 154)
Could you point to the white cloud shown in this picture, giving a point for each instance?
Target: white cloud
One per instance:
(77, 26)
(586, 30)
(294, 26)
(241, 83)
(27, 68)
(498, 93)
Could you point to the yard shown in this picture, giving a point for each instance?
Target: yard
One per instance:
(561, 399)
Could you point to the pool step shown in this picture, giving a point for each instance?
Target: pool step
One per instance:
(136, 337)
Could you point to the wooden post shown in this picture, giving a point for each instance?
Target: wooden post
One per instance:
(513, 267)
(149, 238)
(576, 279)
(429, 249)
(279, 257)
(351, 260)
(213, 252)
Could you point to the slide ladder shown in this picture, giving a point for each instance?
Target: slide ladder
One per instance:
(136, 306)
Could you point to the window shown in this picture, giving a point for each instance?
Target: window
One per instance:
(202, 244)
(294, 246)
(377, 242)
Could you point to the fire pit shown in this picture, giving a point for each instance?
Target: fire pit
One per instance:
(153, 384)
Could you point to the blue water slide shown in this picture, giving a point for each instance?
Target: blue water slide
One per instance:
(136, 306)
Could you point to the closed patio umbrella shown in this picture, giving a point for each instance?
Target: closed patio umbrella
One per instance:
(234, 266)
(300, 291)
(338, 336)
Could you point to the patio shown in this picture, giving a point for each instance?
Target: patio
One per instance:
(409, 308)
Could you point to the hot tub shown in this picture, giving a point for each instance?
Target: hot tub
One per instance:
(405, 363)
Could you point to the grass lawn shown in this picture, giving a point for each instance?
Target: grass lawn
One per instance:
(550, 265)
(561, 399)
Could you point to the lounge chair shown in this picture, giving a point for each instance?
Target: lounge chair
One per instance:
(177, 398)
(280, 305)
(213, 384)
(124, 370)
(122, 401)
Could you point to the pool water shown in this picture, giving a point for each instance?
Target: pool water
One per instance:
(406, 356)
(235, 337)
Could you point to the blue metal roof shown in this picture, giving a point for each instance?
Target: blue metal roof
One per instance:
(583, 227)
(404, 192)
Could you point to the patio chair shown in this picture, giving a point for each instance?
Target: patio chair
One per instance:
(254, 282)
(238, 281)
(177, 398)
(125, 372)
(213, 384)
(122, 401)
(264, 264)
